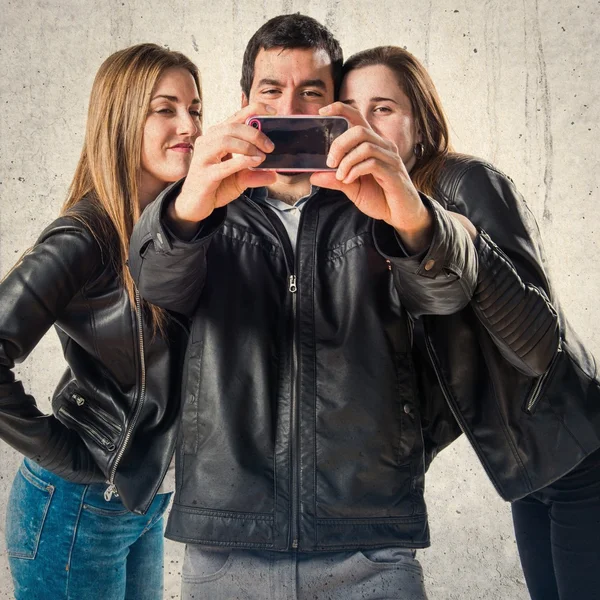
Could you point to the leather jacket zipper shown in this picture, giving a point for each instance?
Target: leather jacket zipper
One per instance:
(98, 414)
(112, 488)
(291, 262)
(89, 430)
(294, 425)
(295, 379)
(540, 385)
(292, 287)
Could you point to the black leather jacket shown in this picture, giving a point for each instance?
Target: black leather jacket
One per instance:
(301, 426)
(517, 379)
(116, 407)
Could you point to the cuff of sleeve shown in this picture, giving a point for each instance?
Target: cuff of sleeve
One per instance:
(426, 262)
(163, 236)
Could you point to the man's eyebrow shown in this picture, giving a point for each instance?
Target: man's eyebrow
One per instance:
(319, 83)
(267, 81)
(313, 83)
(373, 99)
(174, 98)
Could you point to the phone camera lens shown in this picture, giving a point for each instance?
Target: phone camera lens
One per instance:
(254, 124)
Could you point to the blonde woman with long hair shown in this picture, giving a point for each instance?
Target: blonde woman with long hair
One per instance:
(85, 512)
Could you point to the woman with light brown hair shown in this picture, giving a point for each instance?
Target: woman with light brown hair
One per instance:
(85, 512)
(523, 390)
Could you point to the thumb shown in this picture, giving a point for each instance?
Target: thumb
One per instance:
(326, 179)
(253, 179)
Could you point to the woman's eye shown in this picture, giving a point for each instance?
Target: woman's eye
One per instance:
(164, 111)
(196, 113)
(382, 109)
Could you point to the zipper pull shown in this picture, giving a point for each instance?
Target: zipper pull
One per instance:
(292, 287)
(111, 491)
(79, 400)
(108, 445)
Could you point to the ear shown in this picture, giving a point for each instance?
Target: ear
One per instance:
(245, 101)
(418, 134)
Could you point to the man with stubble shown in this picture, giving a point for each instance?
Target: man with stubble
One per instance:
(300, 470)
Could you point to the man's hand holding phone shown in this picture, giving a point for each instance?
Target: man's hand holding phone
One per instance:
(371, 173)
(220, 169)
(302, 142)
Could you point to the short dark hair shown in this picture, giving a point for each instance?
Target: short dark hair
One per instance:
(289, 32)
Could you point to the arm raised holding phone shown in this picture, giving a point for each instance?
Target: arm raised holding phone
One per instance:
(371, 172)
(220, 170)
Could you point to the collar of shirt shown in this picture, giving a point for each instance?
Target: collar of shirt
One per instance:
(261, 195)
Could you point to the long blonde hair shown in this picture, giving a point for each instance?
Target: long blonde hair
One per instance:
(109, 166)
(428, 113)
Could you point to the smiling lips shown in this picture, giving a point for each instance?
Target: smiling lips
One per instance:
(183, 147)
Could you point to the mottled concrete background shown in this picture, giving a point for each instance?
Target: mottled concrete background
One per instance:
(519, 82)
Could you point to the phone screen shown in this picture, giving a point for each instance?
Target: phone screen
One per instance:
(301, 143)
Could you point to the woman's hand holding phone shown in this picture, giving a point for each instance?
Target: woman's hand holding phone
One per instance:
(371, 173)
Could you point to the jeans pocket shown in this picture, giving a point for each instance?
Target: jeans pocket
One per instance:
(391, 558)
(94, 502)
(107, 512)
(201, 565)
(28, 506)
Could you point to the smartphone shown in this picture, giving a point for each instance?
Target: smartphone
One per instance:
(302, 142)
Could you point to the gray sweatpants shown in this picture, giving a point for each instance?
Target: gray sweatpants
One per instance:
(224, 574)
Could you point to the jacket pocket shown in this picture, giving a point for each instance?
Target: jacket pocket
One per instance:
(103, 435)
(96, 413)
(540, 385)
(28, 506)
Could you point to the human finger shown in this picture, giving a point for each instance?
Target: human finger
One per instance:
(251, 110)
(327, 179)
(222, 149)
(252, 179)
(235, 164)
(234, 138)
(363, 152)
(351, 114)
(348, 141)
(369, 166)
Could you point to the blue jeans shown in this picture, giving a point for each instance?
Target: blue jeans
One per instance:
(64, 541)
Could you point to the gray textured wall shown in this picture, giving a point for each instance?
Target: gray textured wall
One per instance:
(519, 82)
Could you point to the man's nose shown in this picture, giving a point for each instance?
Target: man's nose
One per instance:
(289, 105)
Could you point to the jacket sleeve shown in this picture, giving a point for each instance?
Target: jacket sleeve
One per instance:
(513, 295)
(439, 281)
(32, 296)
(170, 272)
